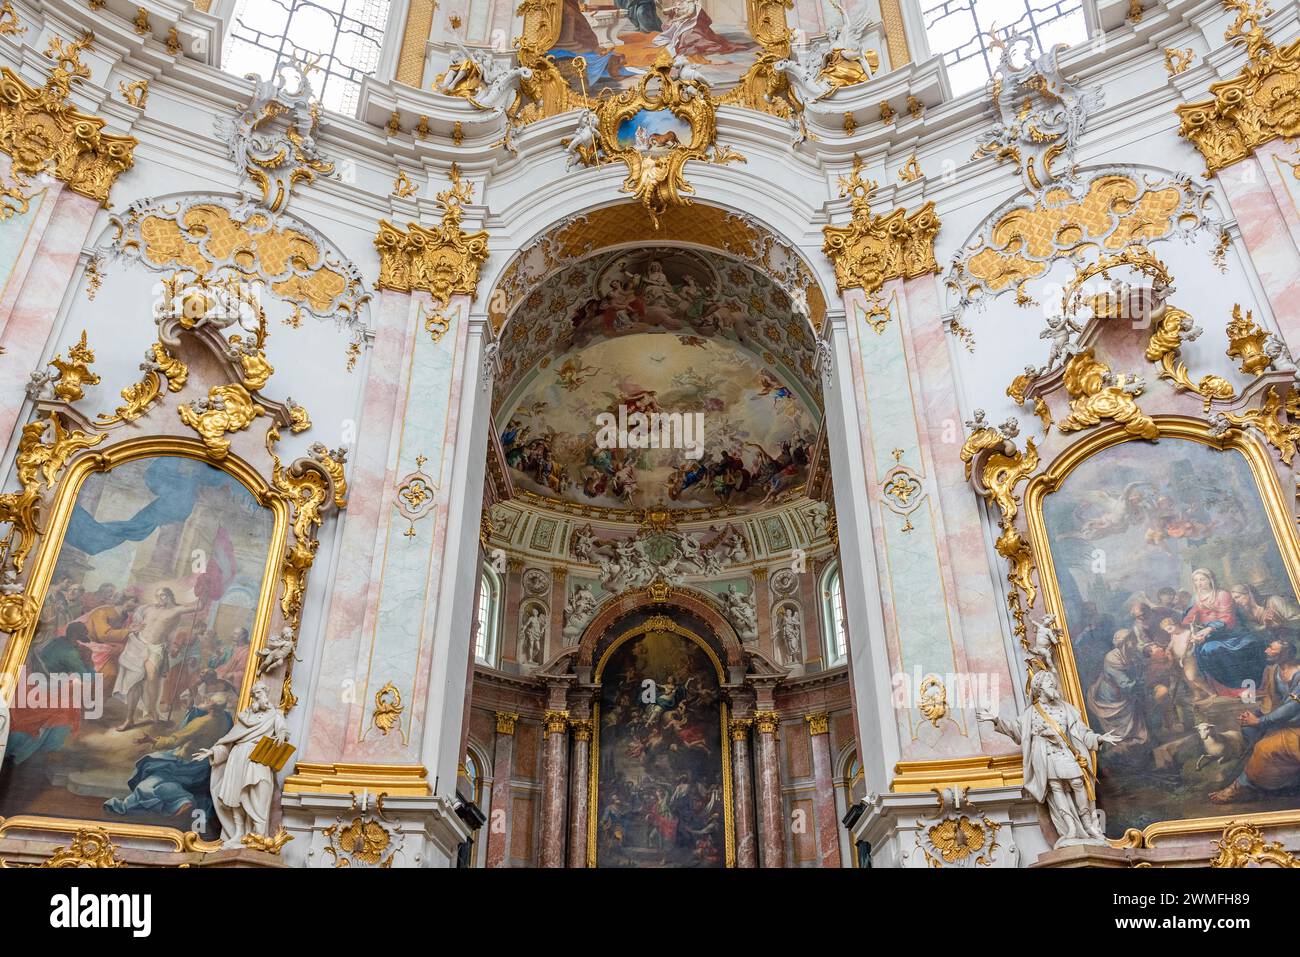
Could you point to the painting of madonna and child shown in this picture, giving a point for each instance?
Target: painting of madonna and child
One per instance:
(660, 800)
(141, 648)
(1185, 627)
(618, 40)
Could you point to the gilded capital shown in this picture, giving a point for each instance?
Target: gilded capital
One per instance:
(556, 722)
(818, 722)
(42, 132)
(581, 728)
(872, 249)
(506, 721)
(766, 722)
(443, 260)
(740, 728)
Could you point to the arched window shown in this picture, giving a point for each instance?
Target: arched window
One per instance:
(833, 621)
(486, 617)
(347, 35)
(959, 30)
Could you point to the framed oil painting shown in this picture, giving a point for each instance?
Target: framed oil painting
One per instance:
(662, 772)
(1172, 565)
(144, 646)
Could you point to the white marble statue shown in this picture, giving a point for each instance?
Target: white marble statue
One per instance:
(820, 514)
(1056, 745)
(789, 634)
(499, 95)
(578, 609)
(532, 637)
(242, 788)
(584, 544)
(803, 70)
(848, 37)
(740, 609)
(279, 649)
(583, 140)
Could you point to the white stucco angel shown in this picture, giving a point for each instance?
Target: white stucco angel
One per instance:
(472, 65)
(279, 649)
(578, 610)
(1056, 746)
(242, 789)
(848, 37)
(740, 609)
(1061, 329)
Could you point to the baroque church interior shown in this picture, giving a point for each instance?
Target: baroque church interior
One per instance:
(649, 433)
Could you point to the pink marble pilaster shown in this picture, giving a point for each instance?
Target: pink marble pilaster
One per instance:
(498, 839)
(554, 787)
(769, 790)
(746, 843)
(579, 777)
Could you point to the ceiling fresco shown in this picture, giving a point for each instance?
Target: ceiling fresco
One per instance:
(660, 330)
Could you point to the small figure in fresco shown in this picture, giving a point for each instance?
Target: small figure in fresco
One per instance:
(1116, 697)
(143, 662)
(1272, 731)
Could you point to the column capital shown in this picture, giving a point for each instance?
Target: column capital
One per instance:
(506, 722)
(740, 728)
(581, 728)
(818, 722)
(766, 721)
(556, 722)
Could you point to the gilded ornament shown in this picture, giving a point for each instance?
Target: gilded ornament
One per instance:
(1257, 106)
(42, 132)
(656, 174)
(1254, 347)
(305, 485)
(227, 408)
(932, 699)
(388, 708)
(915, 108)
(959, 838)
(276, 155)
(141, 22)
(850, 124)
(92, 848)
(422, 130)
(36, 461)
(1175, 327)
(394, 126)
(1177, 61)
(299, 417)
(173, 42)
(1243, 845)
(506, 721)
(871, 249)
(332, 461)
(160, 367)
(887, 113)
(403, 187)
(740, 728)
(443, 260)
(74, 372)
(9, 25)
(1097, 393)
(1280, 433)
(556, 722)
(582, 728)
(818, 722)
(911, 170)
(136, 94)
(269, 845)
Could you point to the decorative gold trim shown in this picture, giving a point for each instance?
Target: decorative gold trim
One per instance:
(871, 249)
(506, 721)
(659, 623)
(1243, 845)
(740, 728)
(818, 722)
(42, 131)
(1257, 106)
(32, 824)
(891, 16)
(581, 728)
(394, 780)
(227, 408)
(388, 708)
(978, 771)
(415, 38)
(767, 722)
(555, 722)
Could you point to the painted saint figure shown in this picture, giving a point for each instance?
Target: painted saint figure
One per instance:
(143, 662)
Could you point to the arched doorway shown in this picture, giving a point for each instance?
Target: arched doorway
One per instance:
(661, 786)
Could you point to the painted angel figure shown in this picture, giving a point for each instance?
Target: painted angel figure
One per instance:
(1056, 744)
(582, 147)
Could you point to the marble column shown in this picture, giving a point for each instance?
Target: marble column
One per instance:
(746, 843)
(554, 787)
(580, 778)
(503, 760)
(828, 836)
(772, 853)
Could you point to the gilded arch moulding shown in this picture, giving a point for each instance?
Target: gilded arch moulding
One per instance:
(872, 249)
(584, 234)
(42, 132)
(1259, 105)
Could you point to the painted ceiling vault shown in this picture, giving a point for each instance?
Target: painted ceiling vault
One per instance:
(659, 330)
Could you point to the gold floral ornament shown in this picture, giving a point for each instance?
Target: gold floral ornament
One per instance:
(1002, 468)
(932, 699)
(1243, 845)
(1275, 419)
(227, 408)
(1257, 106)
(135, 94)
(42, 132)
(443, 260)
(1096, 393)
(388, 708)
(871, 249)
(1255, 348)
(273, 140)
(1177, 61)
(161, 369)
(74, 371)
(544, 90)
(9, 25)
(655, 161)
(37, 460)
(90, 848)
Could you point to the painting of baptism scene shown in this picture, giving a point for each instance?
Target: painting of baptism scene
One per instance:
(610, 45)
(141, 648)
(1185, 629)
(660, 783)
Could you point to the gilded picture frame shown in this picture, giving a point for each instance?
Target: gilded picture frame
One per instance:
(660, 625)
(42, 570)
(1281, 522)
